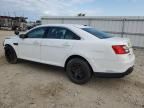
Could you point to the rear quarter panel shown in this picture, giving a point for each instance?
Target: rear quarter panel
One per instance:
(95, 52)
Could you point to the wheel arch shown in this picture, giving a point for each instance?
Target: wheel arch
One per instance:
(9, 45)
(76, 56)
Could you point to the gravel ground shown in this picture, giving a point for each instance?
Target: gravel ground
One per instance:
(34, 85)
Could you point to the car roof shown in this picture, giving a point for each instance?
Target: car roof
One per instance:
(66, 25)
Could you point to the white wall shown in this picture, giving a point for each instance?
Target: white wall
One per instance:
(133, 27)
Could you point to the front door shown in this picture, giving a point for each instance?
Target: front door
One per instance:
(29, 47)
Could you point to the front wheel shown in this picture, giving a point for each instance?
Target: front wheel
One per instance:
(78, 71)
(10, 55)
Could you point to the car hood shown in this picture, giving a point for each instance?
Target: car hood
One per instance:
(12, 37)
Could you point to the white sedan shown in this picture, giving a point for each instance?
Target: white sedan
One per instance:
(81, 50)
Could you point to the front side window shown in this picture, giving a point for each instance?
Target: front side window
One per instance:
(36, 33)
(61, 33)
(98, 34)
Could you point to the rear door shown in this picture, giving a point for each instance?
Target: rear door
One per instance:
(57, 45)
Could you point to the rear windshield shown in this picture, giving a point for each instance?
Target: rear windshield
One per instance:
(98, 34)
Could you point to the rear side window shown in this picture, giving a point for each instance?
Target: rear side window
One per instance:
(71, 35)
(60, 33)
(98, 34)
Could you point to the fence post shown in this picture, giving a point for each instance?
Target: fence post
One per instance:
(123, 27)
(62, 20)
(89, 22)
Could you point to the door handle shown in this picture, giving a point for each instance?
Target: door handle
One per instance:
(66, 44)
(36, 43)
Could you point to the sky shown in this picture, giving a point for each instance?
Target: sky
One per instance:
(35, 9)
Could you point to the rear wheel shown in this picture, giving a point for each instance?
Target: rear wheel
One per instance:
(78, 71)
(10, 55)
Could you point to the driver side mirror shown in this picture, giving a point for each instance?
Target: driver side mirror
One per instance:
(16, 32)
(22, 36)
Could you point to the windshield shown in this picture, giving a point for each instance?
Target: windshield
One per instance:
(99, 34)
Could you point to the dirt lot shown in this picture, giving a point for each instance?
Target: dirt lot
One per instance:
(34, 85)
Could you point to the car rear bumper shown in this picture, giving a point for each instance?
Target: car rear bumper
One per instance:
(114, 75)
(118, 66)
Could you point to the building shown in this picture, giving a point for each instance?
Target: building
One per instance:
(11, 23)
(5, 21)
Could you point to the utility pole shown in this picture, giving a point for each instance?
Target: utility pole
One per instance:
(14, 13)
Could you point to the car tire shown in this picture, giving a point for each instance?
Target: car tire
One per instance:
(10, 55)
(78, 71)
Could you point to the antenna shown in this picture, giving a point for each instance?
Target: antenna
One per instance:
(14, 13)
(23, 14)
(4, 14)
(8, 13)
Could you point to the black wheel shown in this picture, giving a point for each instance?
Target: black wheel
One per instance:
(10, 55)
(78, 71)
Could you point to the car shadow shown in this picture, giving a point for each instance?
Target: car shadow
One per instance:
(43, 67)
(95, 82)
(56, 69)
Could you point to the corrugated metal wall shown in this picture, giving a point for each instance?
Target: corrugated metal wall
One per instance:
(131, 27)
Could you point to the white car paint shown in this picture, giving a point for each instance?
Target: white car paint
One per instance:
(98, 52)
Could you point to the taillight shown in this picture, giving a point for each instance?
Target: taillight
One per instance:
(120, 49)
